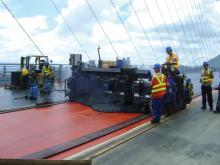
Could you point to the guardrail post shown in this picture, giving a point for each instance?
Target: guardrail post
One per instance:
(4, 70)
(60, 72)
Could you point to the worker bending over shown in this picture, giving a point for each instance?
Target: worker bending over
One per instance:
(206, 86)
(24, 77)
(159, 87)
(189, 90)
(172, 59)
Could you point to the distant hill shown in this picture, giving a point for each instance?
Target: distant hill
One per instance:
(215, 62)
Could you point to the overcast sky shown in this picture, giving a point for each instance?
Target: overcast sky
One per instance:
(191, 27)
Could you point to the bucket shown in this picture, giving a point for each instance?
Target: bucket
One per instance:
(33, 92)
(120, 64)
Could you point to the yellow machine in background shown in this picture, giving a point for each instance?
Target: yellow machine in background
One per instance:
(118, 63)
(105, 64)
(32, 70)
(108, 64)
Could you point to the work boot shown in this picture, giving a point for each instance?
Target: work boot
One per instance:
(203, 108)
(217, 111)
(154, 121)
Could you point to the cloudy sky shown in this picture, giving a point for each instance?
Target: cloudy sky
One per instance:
(191, 27)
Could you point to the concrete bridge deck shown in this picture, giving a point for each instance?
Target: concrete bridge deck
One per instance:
(190, 138)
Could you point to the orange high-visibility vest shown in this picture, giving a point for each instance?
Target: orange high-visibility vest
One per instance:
(159, 85)
(206, 78)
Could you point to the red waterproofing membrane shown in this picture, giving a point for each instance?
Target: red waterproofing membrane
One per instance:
(82, 140)
(37, 129)
(85, 146)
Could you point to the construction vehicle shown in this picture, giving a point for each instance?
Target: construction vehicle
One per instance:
(123, 89)
(33, 65)
(108, 89)
(31, 77)
(178, 96)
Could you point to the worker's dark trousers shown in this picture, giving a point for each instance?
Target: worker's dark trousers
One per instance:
(218, 102)
(24, 82)
(157, 106)
(207, 92)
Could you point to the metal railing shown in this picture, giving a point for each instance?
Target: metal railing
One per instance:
(63, 71)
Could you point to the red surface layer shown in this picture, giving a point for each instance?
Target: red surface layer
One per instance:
(73, 151)
(29, 131)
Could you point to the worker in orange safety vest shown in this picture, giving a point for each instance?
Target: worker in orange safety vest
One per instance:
(158, 92)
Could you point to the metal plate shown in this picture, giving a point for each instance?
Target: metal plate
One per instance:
(44, 162)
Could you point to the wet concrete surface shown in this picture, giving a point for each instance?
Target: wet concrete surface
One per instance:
(190, 138)
(11, 99)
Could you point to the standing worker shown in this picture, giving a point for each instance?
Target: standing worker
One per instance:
(172, 59)
(159, 87)
(47, 71)
(218, 101)
(206, 86)
(42, 63)
(46, 74)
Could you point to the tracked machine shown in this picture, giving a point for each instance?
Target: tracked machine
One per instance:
(33, 65)
(120, 88)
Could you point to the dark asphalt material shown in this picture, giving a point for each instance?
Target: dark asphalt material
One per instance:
(191, 138)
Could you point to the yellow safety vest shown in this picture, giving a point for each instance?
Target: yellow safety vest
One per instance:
(206, 77)
(189, 87)
(24, 72)
(47, 70)
(173, 59)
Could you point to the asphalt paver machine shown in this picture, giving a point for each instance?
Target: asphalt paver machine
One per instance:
(114, 89)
